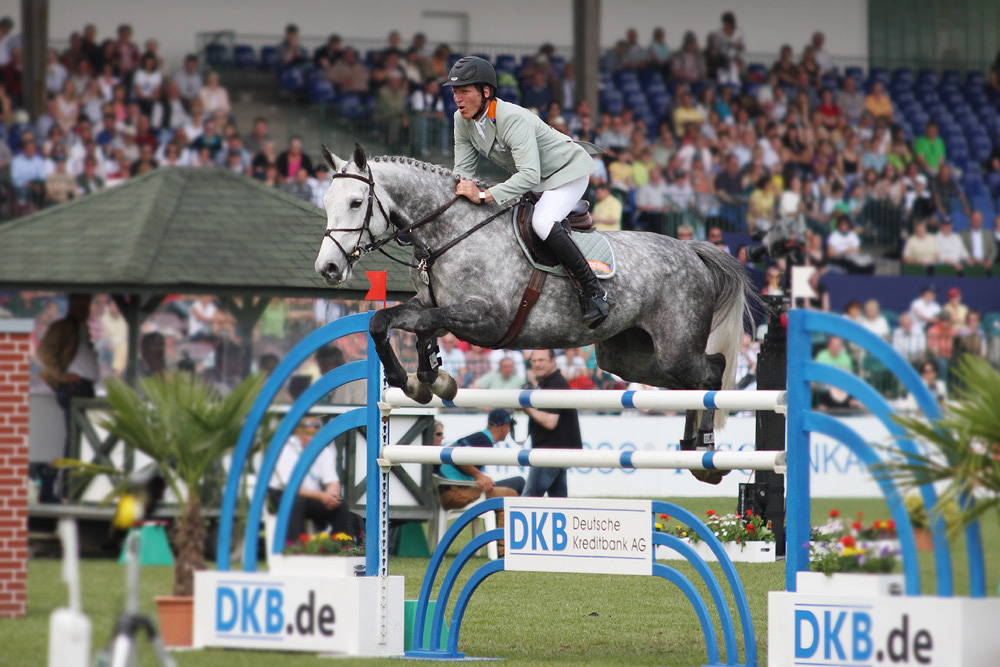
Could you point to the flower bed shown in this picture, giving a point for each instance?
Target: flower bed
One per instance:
(334, 555)
(746, 538)
(836, 547)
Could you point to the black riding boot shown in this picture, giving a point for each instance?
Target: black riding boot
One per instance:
(595, 304)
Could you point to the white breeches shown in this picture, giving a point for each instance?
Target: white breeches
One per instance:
(554, 205)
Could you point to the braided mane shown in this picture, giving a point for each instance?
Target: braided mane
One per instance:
(426, 166)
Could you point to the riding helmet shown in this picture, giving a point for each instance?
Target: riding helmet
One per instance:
(470, 71)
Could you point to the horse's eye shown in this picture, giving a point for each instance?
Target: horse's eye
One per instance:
(356, 203)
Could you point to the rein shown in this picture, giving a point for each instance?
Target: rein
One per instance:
(424, 265)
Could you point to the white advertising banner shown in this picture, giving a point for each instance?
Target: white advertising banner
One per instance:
(578, 535)
(835, 471)
(817, 630)
(278, 612)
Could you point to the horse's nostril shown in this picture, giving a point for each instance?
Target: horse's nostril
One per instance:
(331, 270)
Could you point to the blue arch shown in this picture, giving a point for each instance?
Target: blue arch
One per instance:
(663, 571)
(801, 420)
(342, 327)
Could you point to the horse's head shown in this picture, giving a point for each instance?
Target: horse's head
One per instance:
(354, 216)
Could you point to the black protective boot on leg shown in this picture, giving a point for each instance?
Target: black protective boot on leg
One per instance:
(595, 304)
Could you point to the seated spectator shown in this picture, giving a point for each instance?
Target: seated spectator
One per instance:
(844, 248)
(659, 52)
(266, 157)
(574, 368)
(832, 398)
(320, 497)
(27, 171)
(835, 354)
(188, 80)
(929, 375)
(851, 101)
(878, 103)
(290, 161)
(290, 51)
(760, 211)
(152, 355)
(685, 112)
(954, 307)
(436, 67)
(504, 377)
(607, 211)
(688, 63)
(809, 70)
(979, 242)
(685, 232)
(170, 112)
(390, 109)
(909, 340)
(924, 308)
(452, 357)
(349, 74)
(620, 173)
(329, 53)
(951, 250)
(498, 426)
(680, 193)
(785, 69)
(940, 339)
(815, 251)
(929, 149)
(60, 186)
(147, 84)
(746, 364)
(299, 185)
(614, 58)
(970, 338)
(613, 138)
(918, 203)
(873, 320)
(208, 140)
(89, 181)
(214, 98)
(650, 199)
(921, 248)
(946, 192)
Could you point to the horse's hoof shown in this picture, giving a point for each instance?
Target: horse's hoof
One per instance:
(445, 386)
(417, 390)
(709, 476)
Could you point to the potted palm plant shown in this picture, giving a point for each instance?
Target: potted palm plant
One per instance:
(182, 423)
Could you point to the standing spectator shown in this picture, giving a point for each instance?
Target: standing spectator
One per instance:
(290, 51)
(921, 248)
(924, 308)
(688, 64)
(951, 250)
(607, 213)
(979, 242)
(823, 58)
(452, 358)
(908, 339)
(558, 429)
(946, 192)
(290, 161)
(685, 113)
(785, 68)
(954, 307)
(215, 98)
(69, 360)
(573, 366)
(355, 392)
(56, 74)
(188, 80)
(659, 52)
(8, 40)
(390, 110)
(321, 184)
(650, 199)
(929, 149)
(432, 126)
(614, 58)
(258, 135)
(329, 53)
(436, 67)
(126, 55)
(636, 57)
(729, 40)
(147, 84)
(349, 74)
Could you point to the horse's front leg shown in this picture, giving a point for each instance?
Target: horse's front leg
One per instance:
(381, 323)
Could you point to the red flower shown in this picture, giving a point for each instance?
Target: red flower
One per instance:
(834, 514)
(749, 512)
(303, 538)
(665, 517)
(890, 524)
(860, 514)
(848, 541)
(750, 528)
(856, 525)
(710, 512)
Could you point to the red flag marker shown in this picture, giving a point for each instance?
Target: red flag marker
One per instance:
(378, 280)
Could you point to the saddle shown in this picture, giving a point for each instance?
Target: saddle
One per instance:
(578, 220)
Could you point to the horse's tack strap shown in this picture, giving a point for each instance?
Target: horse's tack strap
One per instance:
(528, 299)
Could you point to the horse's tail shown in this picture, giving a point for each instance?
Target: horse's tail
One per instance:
(734, 295)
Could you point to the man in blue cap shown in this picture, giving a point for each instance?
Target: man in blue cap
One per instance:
(498, 426)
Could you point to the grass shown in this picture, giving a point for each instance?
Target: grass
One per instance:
(528, 618)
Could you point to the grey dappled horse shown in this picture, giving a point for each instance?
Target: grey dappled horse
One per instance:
(681, 304)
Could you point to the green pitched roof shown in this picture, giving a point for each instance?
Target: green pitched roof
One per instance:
(181, 230)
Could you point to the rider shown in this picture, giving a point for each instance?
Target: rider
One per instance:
(539, 158)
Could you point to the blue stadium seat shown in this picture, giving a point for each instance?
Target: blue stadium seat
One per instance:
(291, 79)
(453, 58)
(628, 86)
(623, 76)
(322, 91)
(903, 74)
(993, 183)
(506, 63)
(927, 75)
(951, 76)
(975, 79)
(750, 88)
(985, 205)
(959, 220)
(856, 73)
(651, 77)
(973, 185)
(352, 105)
(217, 55)
(484, 56)
(660, 103)
(269, 57)
(244, 55)
(980, 151)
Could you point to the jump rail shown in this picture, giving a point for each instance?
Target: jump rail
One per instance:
(643, 399)
(562, 458)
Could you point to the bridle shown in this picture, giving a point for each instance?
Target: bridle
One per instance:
(425, 264)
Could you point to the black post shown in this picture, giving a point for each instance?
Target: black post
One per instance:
(772, 365)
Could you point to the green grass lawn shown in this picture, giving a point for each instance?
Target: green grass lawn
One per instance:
(528, 618)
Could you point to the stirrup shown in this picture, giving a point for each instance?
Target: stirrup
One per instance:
(595, 309)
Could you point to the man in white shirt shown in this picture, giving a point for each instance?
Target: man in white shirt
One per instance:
(320, 497)
(951, 250)
(909, 339)
(650, 198)
(924, 308)
(188, 80)
(516, 356)
(452, 358)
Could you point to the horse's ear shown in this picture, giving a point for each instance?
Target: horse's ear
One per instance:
(334, 162)
(360, 159)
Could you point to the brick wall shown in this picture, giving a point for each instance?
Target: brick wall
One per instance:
(14, 420)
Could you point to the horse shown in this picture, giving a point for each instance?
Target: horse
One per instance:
(681, 304)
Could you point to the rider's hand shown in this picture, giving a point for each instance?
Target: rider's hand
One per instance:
(470, 191)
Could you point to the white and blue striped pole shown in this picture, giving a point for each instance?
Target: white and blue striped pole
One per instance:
(586, 458)
(554, 399)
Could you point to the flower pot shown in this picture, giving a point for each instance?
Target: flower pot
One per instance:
(747, 552)
(923, 538)
(856, 584)
(326, 566)
(176, 619)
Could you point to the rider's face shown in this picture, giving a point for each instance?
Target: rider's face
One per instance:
(468, 99)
